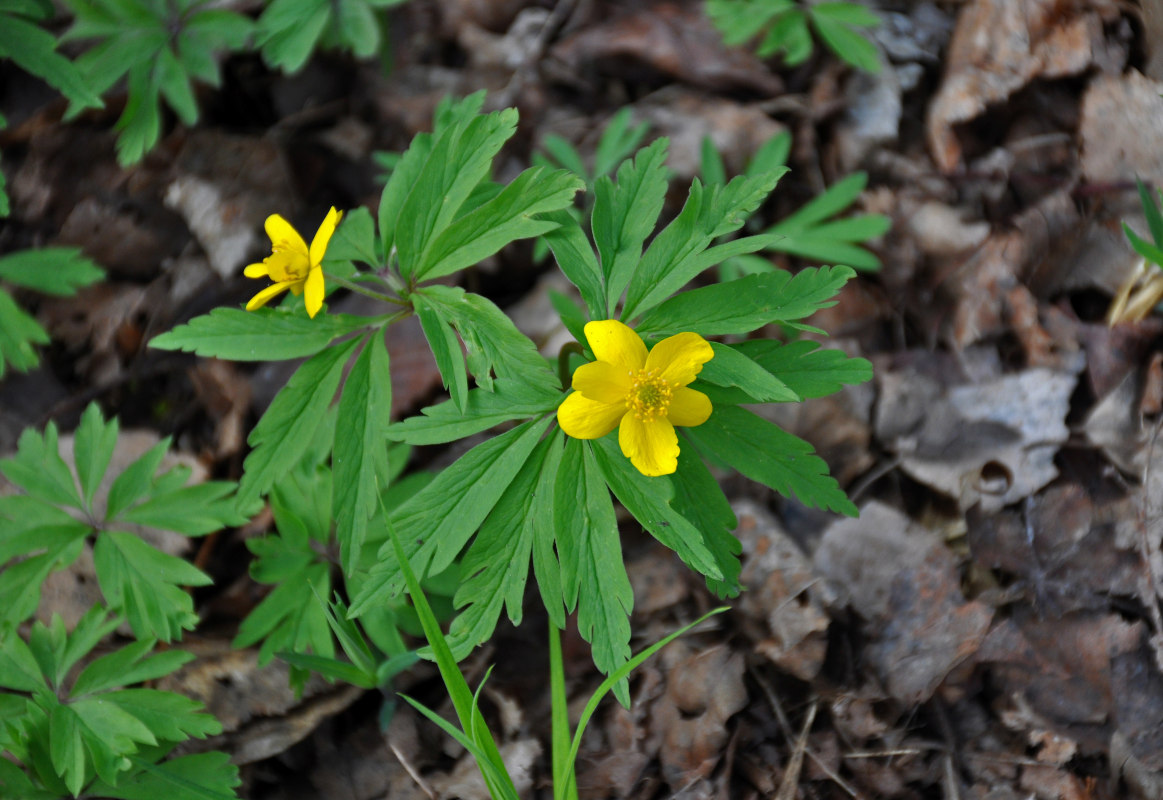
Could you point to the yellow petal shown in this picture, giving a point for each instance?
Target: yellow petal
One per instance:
(260, 299)
(650, 444)
(256, 270)
(616, 343)
(313, 291)
(688, 407)
(603, 382)
(582, 418)
(323, 235)
(679, 358)
(284, 236)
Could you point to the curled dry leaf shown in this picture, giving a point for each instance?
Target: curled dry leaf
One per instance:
(259, 712)
(998, 47)
(670, 40)
(704, 688)
(992, 442)
(784, 592)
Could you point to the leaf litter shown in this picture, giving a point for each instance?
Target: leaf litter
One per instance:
(989, 627)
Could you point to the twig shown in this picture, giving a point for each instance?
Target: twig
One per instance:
(785, 726)
(791, 777)
(412, 773)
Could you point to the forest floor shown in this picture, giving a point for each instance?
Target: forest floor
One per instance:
(989, 627)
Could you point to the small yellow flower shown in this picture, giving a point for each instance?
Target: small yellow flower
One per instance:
(291, 264)
(643, 395)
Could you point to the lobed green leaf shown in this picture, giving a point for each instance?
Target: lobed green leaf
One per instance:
(283, 434)
(359, 462)
(266, 334)
(765, 453)
(748, 303)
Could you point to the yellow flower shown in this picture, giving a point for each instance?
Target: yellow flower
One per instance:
(291, 264)
(643, 395)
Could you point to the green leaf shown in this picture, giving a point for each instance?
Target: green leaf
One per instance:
(265, 334)
(711, 165)
(145, 584)
(564, 154)
(1150, 211)
(284, 432)
(18, 333)
(496, 566)
(495, 346)
(749, 303)
(729, 367)
(174, 85)
(355, 239)
(332, 669)
(506, 218)
(38, 469)
(139, 126)
(288, 31)
(509, 399)
(461, 158)
(136, 481)
(574, 254)
(65, 747)
(624, 215)
(117, 728)
(765, 453)
(680, 252)
(34, 50)
(771, 156)
(202, 776)
(851, 47)
(399, 185)
(835, 199)
(618, 141)
(790, 34)
(806, 368)
(128, 665)
(20, 583)
(15, 784)
(18, 668)
(168, 715)
(289, 618)
(357, 26)
(848, 13)
(360, 458)
(437, 521)
(572, 317)
(92, 448)
(437, 327)
(546, 566)
(650, 501)
(740, 20)
(57, 271)
(1144, 248)
(192, 510)
(593, 573)
(699, 498)
(480, 740)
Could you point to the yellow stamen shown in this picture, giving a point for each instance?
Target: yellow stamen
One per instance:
(649, 394)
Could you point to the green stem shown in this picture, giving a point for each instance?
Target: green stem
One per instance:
(563, 362)
(564, 785)
(355, 287)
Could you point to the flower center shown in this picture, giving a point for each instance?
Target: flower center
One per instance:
(285, 264)
(649, 395)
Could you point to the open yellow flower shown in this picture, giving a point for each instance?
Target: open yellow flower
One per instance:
(291, 264)
(642, 395)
